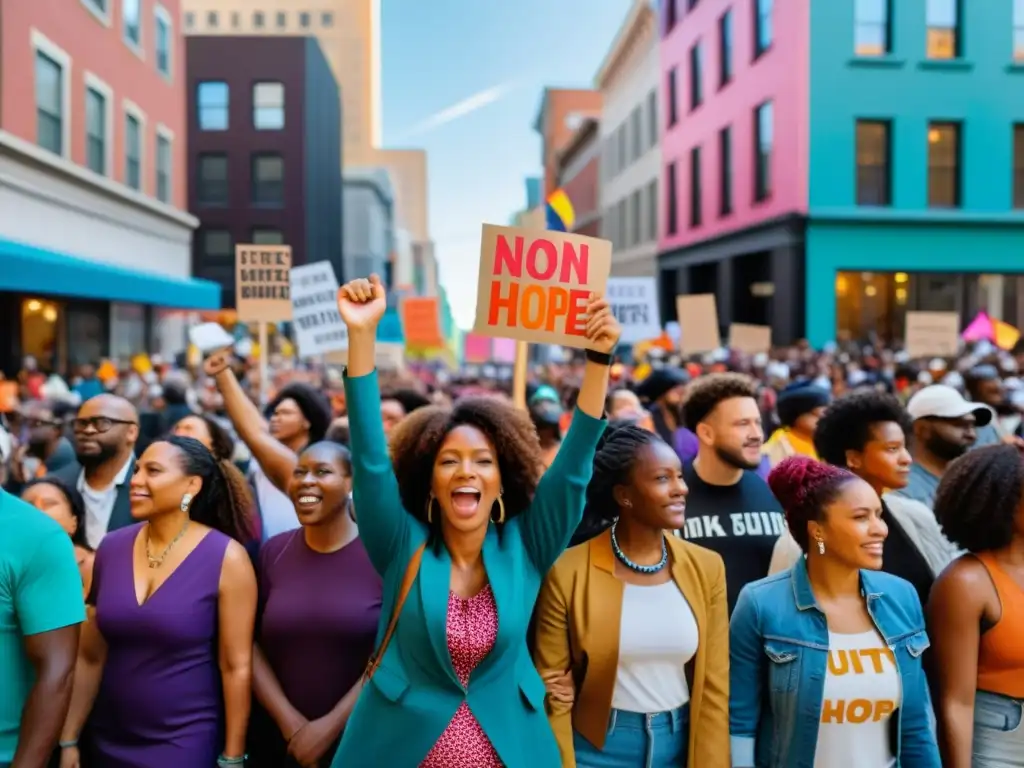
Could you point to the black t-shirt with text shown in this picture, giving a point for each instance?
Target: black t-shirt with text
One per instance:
(740, 522)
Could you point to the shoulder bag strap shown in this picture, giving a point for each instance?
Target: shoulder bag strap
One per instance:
(407, 581)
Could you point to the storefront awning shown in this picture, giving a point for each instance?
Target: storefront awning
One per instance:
(26, 269)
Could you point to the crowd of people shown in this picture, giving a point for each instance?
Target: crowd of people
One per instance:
(809, 558)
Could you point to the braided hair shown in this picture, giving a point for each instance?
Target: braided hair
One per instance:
(614, 460)
(804, 488)
(224, 503)
(979, 498)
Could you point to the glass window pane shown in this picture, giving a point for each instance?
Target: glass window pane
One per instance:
(130, 12)
(95, 113)
(49, 84)
(942, 13)
(870, 39)
(875, 11)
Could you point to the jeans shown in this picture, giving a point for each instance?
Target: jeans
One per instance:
(636, 740)
(998, 735)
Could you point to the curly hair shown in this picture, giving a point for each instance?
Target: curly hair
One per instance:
(847, 423)
(416, 440)
(979, 497)
(314, 405)
(804, 488)
(225, 502)
(222, 444)
(74, 500)
(708, 391)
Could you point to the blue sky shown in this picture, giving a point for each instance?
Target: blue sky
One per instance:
(436, 55)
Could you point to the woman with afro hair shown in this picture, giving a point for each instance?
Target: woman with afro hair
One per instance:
(976, 611)
(462, 528)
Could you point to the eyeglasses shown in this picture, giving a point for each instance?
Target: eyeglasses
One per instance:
(37, 423)
(99, 424)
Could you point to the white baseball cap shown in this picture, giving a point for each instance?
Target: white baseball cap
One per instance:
(943, 402)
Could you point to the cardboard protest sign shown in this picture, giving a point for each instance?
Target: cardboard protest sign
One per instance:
(319, 328)
(534, 285)
(262, 287)
(698, 323)
(932, 334)
(750, 339)
(634, 302)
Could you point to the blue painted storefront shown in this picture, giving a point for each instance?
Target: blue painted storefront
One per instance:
(983, 90)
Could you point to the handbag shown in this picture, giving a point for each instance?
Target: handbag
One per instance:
(411, 571)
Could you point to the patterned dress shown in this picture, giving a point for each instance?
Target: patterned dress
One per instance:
(472, 629)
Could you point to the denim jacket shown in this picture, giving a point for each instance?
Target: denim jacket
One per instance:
(778, 656)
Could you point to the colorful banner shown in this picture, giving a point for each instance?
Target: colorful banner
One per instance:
(477, 348)
(421, 322)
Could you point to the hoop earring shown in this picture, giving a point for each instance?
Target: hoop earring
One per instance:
(430, 509)
(501, 511)
(185, 501)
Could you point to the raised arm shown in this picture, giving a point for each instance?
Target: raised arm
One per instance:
(275, 459)
(746, 679)
(548, 525)
(383, 522)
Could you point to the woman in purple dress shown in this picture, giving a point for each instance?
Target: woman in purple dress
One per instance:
(165, 660)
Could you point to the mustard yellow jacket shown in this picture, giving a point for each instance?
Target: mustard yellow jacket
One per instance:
(577, 628)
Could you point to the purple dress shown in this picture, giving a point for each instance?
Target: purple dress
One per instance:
(159, 703)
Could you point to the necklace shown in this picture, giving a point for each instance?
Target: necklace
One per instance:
(156, 562)
(636, 566)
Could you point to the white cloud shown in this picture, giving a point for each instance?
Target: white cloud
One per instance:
(460, 109)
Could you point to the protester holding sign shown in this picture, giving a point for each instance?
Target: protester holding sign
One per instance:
(472, 528)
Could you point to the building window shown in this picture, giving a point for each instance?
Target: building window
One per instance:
(725, 171)
(212, 98)
(164, 37)
(133, 150)
(212, 179)
(871, 27)
(636, 227)
(212, 19)
(725, 49)
(637, 129)
(762, 26)
(874, 186)
(944, 165)
(99, 8)
(236, 20)
(164, 163)
(696, 76)
(267, 237)
(691, 4)
(943, 35)
(131, 15)
(696, 202)
(1018, 30)
(326, 19)
(268, 106)
(257, 20)
(50, 103)
(282, 20)
(671, 15)
(190, 20)
(673, 105)
(763, 142)
(652, 118)
(304, 20)
(652, 210)
(623, 155)
(1018, 166)
(671, 201)
(96, 127)
(623, 223)
(267, 179)
(218, 249)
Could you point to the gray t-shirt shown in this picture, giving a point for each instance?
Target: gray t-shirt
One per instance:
(921, 486)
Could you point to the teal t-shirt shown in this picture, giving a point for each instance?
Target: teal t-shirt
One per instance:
(40, 591)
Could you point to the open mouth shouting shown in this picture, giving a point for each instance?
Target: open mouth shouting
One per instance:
(465, 501)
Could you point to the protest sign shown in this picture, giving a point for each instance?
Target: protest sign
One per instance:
(698, 323)
(262, 290)
(534, 285)
(750, 339)
(634, 302)
(319, 328)
(933, 334)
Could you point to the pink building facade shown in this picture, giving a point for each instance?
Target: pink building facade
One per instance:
(93, 130)
(734, 107)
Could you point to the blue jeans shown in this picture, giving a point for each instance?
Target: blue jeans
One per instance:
(635, 740)
(998, 732)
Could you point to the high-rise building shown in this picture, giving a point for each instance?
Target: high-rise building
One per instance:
(562, 112)
(829, 166)
(95, 238)
(349, 35)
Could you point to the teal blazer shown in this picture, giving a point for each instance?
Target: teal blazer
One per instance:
(415, 692)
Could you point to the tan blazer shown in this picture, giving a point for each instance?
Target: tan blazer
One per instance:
(577, 628)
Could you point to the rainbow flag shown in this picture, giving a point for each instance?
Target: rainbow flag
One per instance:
(560, 214)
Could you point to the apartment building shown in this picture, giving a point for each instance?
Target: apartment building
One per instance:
(578, 177)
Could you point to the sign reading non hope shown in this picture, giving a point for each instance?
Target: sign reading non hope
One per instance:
(535, 285)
